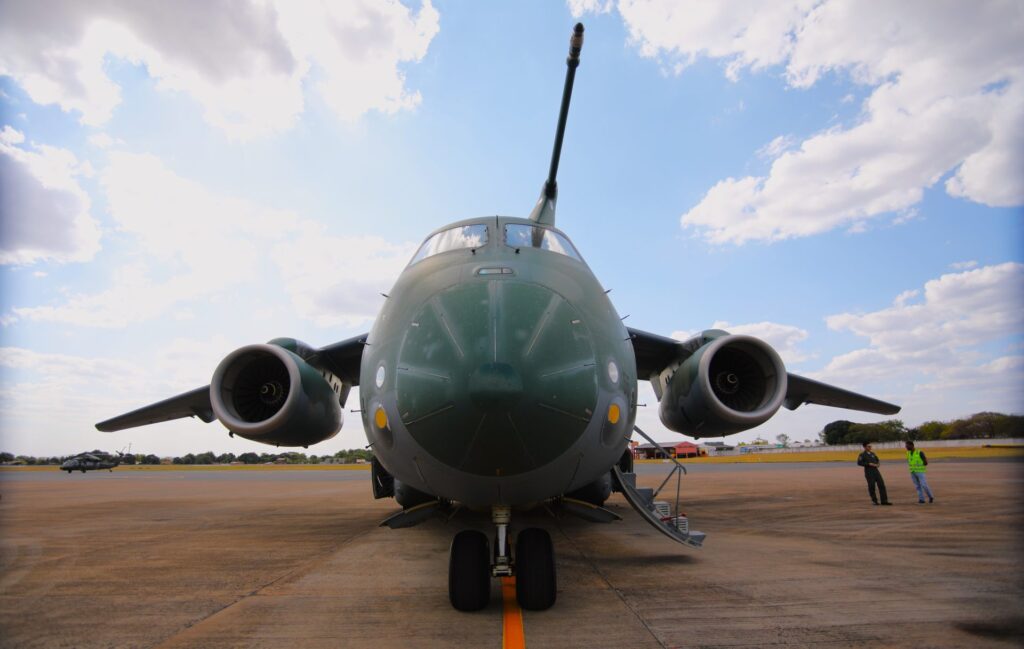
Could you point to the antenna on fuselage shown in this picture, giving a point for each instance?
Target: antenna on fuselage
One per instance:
(544, 211)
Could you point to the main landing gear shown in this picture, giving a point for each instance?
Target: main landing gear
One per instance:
(471, 566)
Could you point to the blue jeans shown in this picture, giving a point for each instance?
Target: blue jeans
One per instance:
(921, 483)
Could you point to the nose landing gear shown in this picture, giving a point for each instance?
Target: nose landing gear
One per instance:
(470, 567)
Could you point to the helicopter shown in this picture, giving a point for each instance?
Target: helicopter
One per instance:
(92, 461)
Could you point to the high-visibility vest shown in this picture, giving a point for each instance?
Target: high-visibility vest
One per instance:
(915, 462)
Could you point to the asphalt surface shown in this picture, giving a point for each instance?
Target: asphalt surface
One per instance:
(796, 555)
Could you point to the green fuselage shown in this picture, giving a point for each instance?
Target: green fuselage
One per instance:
(498, 371)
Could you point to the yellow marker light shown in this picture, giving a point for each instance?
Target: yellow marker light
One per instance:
(613, 413)
(380, 418)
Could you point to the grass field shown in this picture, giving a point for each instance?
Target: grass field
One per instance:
(851, 456)
(965, 452)
(213, 467)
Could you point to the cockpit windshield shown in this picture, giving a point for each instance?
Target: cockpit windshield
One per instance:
(530, 236)
(466, 236)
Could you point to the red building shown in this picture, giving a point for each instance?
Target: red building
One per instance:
(679, 449)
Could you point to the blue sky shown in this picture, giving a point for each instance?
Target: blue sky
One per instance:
(844, 181)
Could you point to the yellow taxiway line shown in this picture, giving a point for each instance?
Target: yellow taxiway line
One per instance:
(512, 636)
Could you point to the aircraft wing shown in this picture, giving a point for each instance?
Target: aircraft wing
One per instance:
(195, 403)
(802, 390)
(654, 353)
(341, 358)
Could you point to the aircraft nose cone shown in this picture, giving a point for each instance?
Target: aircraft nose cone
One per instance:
(495, 387)
(496, 377)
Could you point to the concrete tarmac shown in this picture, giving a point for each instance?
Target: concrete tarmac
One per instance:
(794, 557)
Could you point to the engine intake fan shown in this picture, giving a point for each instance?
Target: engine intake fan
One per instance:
(728, 385)
(268, 394)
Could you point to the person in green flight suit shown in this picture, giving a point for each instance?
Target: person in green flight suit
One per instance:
(918, 464)
(870, 462)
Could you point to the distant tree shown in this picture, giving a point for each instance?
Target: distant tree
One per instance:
(177, 460)
(6, 457)
(929, 430)
(225, 458)
(151, 459)
(205, 458)
(249, 458)
(1009, 426)
(128, 459)
(835, 433)
(782, 438)
(349, 456)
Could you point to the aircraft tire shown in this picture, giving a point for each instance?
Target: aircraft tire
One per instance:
(536, 581)
(469, 571)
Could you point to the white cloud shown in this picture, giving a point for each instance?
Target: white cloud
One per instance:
(339, 279)
(103, 140)
(776, 147)
(579, 7)
(948, 341)
(947, 97)
(192, 244)
(50, 402)
(244, 62)
(785, 339)
(11, 136)
(355, 49)
(964, 265)
(44, 212)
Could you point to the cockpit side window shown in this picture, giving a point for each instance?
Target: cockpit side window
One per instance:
(466, 236)
(518, 235)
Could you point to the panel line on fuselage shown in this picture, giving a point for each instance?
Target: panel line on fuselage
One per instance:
(519, 436)
(416, 370)
(469, 447)
(569, 369)
(563, 412)
(429, 414)
(442, 315)
(492, 290)
(543, 322)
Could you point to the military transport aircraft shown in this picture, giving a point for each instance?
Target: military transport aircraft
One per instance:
(498, 376)
(91, 461)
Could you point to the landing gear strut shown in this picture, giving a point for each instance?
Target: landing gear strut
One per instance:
(471, 566)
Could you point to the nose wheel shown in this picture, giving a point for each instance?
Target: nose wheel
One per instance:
(471, 566)
(469, 571)
(536, 584)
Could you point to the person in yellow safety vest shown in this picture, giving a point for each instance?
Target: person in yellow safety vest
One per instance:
(918, 464)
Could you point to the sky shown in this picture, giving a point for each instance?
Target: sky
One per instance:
(842, 179)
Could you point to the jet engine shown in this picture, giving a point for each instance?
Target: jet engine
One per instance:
(729, 384)
(269, 394)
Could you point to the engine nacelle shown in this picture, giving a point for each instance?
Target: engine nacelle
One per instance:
(269, 394)
(727, 385)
